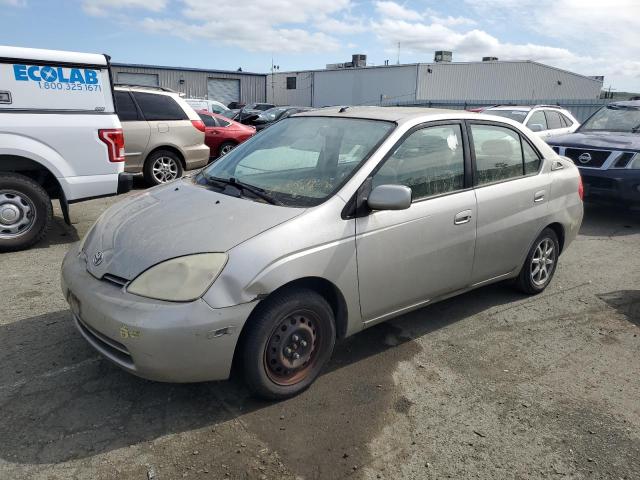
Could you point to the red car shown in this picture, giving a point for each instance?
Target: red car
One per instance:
(223, 134)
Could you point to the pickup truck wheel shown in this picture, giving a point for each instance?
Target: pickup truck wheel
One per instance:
(540, 265)
(161, 167)
(290, 340)
(25, 212)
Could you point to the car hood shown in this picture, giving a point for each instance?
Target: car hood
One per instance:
(599, 140)
(176, 219)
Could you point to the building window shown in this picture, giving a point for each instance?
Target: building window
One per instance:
(291, 83)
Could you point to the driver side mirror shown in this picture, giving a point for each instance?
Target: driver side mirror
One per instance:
(536, 127)
(389, 197)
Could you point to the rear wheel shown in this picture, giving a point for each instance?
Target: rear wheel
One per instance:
(226, 147)
(161, 167)
(25, 212)
(291, 338)
(540, 265)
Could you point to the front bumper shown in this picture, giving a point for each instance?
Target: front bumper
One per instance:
(163, 341)
(613, 184)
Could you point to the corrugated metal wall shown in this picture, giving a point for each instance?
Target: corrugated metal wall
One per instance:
(504, 80)
(364, 86)
(252, 87)
(301, 96)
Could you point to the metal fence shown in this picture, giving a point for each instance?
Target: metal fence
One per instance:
(581, 109)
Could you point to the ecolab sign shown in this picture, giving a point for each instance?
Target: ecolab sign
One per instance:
(35, 73)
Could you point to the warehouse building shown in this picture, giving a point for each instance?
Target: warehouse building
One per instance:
(486, 81)
(221, 85)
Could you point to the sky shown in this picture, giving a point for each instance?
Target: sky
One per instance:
(585, 36)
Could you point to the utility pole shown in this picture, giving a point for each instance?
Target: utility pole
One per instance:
(273, 80)
(398, 53)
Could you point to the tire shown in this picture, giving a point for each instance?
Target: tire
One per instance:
(225, 148)
(25, 212)
(546, 250)
(295, 322)
(162, 166)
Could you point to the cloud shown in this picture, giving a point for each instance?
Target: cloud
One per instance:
(100, 8)
(14, 3)
(396, 11)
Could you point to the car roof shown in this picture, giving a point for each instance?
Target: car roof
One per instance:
(146, 89)
(393, 114)
(524, 108)
(627, 103)
(53, 56)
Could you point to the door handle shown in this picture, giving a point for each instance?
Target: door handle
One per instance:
(462, 217)
(539, 196)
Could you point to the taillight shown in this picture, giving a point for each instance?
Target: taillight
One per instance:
(580, 188)
(114, 138)
(199, 124)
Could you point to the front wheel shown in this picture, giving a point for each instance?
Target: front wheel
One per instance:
(25, 212)
(541, 263)
(290, 340)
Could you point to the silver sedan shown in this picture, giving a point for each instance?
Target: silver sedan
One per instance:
(324, 224)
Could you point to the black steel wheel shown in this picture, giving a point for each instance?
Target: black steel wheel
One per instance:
(290, 339)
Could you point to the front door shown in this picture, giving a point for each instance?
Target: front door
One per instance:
(407, 257)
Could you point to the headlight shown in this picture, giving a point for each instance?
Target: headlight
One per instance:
(180, 279)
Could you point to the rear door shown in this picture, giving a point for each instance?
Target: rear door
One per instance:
(136, 130)
(538, 123)
(554, 123)
(512, 198)
(407, 257)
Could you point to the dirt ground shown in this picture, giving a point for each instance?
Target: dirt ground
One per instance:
(491, 384)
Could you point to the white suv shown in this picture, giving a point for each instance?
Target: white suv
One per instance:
(545, 120)
(60, 138)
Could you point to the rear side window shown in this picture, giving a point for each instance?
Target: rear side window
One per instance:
(568, 122)
(501, 154)
(208, 120)
(222, 123)
(430, 161)
(159, 107)
(553, 119)
(126, 109)
(538, 118)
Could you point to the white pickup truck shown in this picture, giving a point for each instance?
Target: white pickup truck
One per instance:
(60, 138)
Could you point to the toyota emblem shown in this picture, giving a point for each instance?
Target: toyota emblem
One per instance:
(97, 258)
(584, 158)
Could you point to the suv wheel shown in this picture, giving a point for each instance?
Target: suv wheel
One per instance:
(290, 340)
(25, 212)
(161, 167)
(540, 264)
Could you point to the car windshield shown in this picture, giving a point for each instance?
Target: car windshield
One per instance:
(614, 118)
(517, 115)
(300, 161)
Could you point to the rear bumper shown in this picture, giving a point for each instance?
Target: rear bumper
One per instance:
(196, 156)
(125, 182)
(613, 184)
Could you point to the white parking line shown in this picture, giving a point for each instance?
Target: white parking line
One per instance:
(51, 373)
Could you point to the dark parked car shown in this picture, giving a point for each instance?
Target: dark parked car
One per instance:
(236, 105)
(251, 110)
(269, 117)
(606, 149)
(223, 134)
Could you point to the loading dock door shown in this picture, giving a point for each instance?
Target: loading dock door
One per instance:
(223, 90)
(146, 79)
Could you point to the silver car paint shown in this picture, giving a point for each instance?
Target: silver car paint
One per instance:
(270, 246)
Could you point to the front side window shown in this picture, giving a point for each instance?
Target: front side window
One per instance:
(537, 118)
(127, 111)
(430, 161)
(159, 107)
(498, 153)
(301, 161)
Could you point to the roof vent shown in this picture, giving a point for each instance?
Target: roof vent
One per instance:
(489, 59)
(443, 56)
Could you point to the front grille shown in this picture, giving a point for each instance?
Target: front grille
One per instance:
(110, 348)
(556, 149)
(599, 182)
(587, 158)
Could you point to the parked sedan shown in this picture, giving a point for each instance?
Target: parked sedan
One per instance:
(545, 120)
(269, 117)
(326, 223)
(222, 134)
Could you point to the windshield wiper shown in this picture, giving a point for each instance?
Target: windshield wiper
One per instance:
(256, 191)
